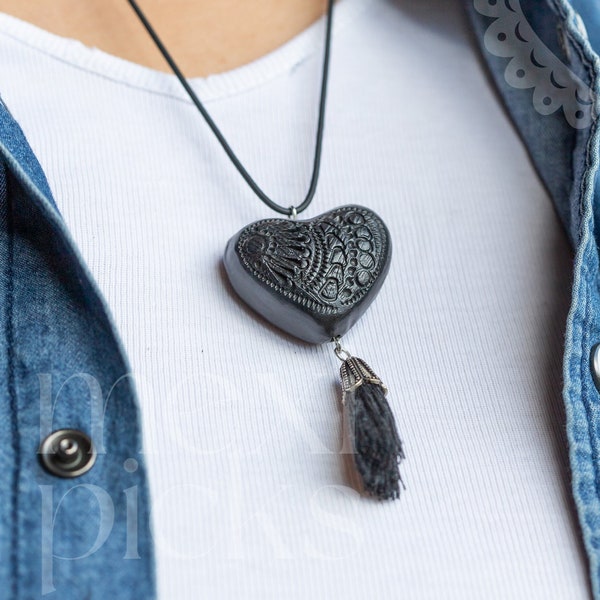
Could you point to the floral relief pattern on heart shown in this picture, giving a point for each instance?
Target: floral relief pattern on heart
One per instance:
(325, 264)
(313, 279)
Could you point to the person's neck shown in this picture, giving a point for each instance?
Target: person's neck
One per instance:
(204, 36)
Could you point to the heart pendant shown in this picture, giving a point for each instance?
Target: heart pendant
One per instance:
(314, 279)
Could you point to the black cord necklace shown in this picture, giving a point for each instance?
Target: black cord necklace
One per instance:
(291, 211)
(314, 279)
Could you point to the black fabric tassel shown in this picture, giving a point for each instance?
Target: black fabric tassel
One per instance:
(371, 430)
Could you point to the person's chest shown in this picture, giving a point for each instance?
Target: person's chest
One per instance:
(467, 331)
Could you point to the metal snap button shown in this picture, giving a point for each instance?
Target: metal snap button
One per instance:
(67, 453)
(595, 365)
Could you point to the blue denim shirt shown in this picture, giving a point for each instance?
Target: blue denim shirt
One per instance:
(62, 365)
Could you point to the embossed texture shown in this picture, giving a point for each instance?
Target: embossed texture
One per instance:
(314, 279)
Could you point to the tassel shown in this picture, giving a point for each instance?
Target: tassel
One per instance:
(370, 428)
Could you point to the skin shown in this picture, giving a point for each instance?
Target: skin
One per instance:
(204, 36)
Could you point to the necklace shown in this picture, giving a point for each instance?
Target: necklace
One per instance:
(314, 279)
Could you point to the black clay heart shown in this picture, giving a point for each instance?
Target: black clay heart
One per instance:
(313, 279)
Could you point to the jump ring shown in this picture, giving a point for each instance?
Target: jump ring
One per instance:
(340, 352)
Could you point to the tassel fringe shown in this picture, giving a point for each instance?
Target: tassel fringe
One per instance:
(371, 430)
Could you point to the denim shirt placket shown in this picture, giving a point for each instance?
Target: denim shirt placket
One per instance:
(572, 186)
(62, 367)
